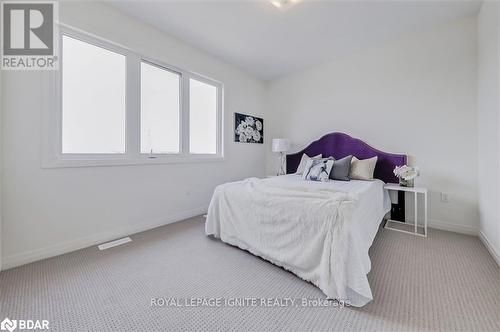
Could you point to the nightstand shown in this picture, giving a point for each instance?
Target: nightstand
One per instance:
(403, 226)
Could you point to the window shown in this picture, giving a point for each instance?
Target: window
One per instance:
(160, 107)
(202, 117)
(114, 106)
(93, 99)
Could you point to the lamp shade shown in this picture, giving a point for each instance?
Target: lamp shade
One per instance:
(281, 145)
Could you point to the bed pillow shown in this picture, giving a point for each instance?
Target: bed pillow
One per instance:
(318, 169)
(362, 169)
(340, 169)
(303, 162)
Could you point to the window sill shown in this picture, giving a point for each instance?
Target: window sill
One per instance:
(117, 161)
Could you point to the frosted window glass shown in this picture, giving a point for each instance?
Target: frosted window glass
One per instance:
(160, 108)
(202, 118)
(93, 98)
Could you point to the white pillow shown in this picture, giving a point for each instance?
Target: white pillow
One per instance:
(318, 169)
(362, 169)
(303, 162)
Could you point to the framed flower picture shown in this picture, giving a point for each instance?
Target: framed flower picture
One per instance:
(248, 128)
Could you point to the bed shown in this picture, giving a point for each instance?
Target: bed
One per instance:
(320, 231)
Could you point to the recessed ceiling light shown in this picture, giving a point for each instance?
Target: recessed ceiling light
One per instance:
(283, 4)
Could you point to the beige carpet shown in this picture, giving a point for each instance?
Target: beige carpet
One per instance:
(445, 282)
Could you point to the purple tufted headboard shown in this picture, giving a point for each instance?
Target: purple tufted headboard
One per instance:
(339, 145)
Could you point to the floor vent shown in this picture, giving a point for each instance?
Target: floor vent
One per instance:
(114, 243)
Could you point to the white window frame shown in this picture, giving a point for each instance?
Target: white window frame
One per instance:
(166, 67)
(219, 120)
(52, 156)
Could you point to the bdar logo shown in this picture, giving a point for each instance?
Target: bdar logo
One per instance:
(7, 324)
(23, 324)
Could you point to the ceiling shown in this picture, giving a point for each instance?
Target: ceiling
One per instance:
(267, 42)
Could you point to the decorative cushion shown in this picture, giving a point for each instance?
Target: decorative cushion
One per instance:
(303, 162)
(318, 169)
(362, 169)
(340, 169)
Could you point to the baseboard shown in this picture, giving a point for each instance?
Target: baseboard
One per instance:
(66, 247)
(448, 226)
(452, 227)
(493, 251)
(69, 246)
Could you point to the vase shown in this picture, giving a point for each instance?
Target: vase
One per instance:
(406, 183)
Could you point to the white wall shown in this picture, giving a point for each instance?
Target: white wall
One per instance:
(50, 211)
(489, 125)
(415, 95)
(1, 165)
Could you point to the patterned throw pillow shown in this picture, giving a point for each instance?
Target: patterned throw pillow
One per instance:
(303, 162)
(318, 169)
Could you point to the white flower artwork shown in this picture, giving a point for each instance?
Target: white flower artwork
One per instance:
(248, 129)
(258, 125)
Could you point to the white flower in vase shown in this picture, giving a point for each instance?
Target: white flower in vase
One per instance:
(406, 175)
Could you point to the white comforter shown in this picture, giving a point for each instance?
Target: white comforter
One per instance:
(311, 229)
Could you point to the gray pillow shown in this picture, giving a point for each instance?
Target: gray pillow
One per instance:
(340, 169)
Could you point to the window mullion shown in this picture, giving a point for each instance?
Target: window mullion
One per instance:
(220, 121)
(184, 116)
(133, 105)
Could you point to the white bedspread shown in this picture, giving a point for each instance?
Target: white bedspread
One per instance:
(319, 231)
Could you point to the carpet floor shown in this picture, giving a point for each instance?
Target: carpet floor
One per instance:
(445, 282)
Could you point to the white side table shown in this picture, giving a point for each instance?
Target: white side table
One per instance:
(416, 191)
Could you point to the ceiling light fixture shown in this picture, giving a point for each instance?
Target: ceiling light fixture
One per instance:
(283, 4)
